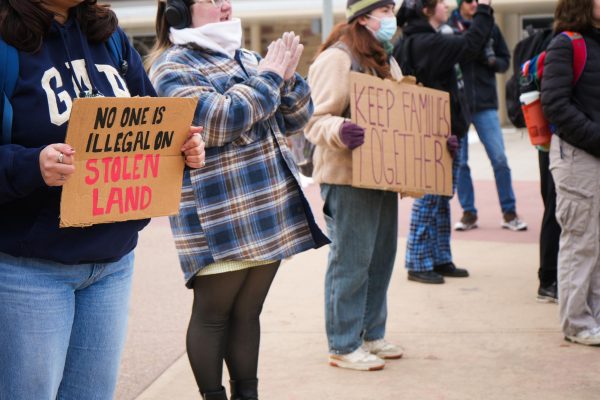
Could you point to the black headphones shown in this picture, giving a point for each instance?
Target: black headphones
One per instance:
(178, 13)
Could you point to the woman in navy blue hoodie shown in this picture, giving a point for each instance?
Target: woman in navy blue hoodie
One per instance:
(64, 293)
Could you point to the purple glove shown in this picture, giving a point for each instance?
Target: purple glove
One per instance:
(352, 135)
(452, 145)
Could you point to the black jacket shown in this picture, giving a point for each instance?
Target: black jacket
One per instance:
(574, 110)
(432, 58)
(479, 76)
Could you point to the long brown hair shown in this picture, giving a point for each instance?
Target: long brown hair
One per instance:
(24, 24)
(573, 15)
(368, 51)
(162, 36)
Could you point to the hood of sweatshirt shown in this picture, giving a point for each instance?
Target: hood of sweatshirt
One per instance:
(417, 25)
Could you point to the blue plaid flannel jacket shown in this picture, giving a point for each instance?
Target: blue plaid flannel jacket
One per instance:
(246, 203)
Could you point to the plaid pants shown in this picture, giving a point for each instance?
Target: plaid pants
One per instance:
(428, 241)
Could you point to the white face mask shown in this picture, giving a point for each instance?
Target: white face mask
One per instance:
(224, 37)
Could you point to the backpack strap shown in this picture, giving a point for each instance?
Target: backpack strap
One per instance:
(9, 73)
(115, 48)
(355, 65)
(579, 54)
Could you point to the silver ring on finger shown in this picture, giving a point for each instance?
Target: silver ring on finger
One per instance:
(62, 176)
(61, 156)
(203, 163)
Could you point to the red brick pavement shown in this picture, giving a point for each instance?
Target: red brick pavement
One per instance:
(529, 207)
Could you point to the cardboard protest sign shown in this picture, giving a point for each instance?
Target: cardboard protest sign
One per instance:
(406, 129)
(128, 161)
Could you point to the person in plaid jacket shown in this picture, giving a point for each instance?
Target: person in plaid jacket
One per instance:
(246, 211)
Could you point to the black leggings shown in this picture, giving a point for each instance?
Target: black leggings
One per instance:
(225, 324)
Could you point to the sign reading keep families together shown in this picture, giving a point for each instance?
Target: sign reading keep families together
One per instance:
(128, 161)
(406, 129)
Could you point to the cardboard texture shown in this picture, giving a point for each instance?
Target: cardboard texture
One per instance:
(128, 161)
(406, 129)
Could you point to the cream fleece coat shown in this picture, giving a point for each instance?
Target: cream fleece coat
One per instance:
(329, 79)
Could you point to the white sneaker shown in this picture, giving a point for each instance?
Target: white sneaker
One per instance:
(589, 337)
(467, 222)
(383, 349)
(359, 360)
(511, 221)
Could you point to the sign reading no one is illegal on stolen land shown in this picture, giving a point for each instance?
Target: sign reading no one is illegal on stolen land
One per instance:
(128, 161)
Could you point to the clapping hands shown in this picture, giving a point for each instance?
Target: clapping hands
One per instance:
(292, 43)
(283, 56)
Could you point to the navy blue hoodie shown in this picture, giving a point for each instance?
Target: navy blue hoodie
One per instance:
(29, 209)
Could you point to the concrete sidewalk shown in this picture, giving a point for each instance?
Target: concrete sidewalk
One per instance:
(484, 337)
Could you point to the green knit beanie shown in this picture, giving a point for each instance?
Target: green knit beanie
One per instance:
(356, 8)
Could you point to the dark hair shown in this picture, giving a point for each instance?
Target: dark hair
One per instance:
(23, 24)
(413, 9)
(369, 53)
(573, 15)
(162, 35)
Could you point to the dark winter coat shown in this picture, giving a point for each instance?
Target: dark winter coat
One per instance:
(432, 57)
(574, 110)
(479, 76)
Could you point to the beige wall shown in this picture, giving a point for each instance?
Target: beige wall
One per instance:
(268, 33)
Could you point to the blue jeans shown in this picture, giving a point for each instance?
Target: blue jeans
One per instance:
(62, 328)
(488, 129)
(363, 228)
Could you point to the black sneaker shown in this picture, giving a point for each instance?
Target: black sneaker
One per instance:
(425, 277)
(548, 294)
(467, 222)
(450, 270)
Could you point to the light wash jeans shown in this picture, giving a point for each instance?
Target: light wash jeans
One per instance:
(363, 228)
(62, 328)
(488, 129)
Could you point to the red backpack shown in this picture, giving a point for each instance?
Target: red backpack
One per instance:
(532, 73)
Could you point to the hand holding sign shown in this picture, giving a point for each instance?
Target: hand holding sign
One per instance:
(352, 135)
(56, 163)
(193, 148)
(452, 145)
(129, 158)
